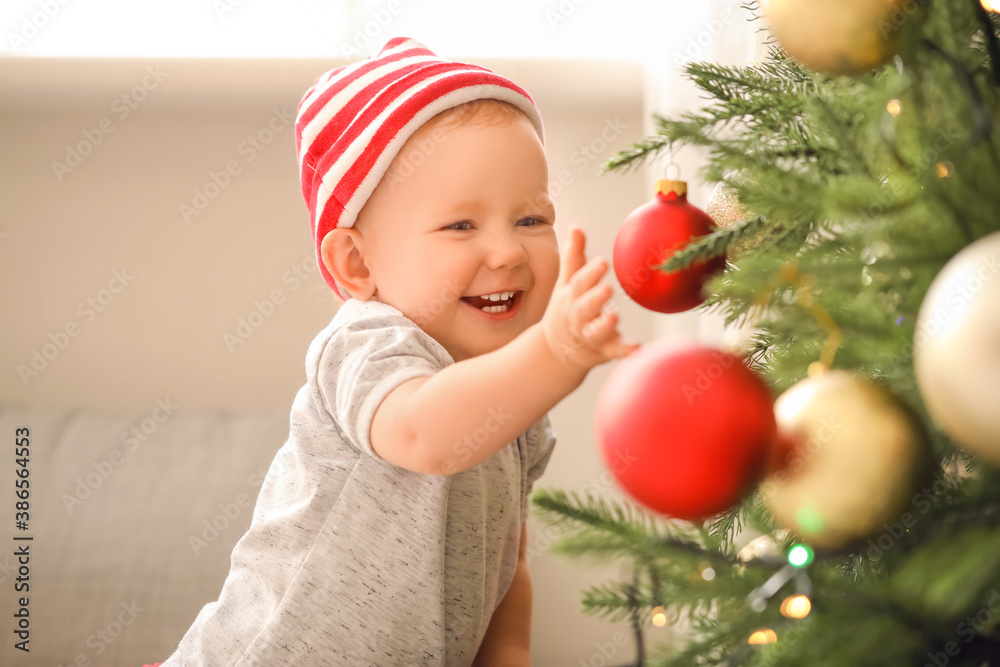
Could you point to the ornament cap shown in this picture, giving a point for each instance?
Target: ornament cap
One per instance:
(666, 186)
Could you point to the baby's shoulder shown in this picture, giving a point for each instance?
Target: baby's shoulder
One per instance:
(374, 337)
(357, 321)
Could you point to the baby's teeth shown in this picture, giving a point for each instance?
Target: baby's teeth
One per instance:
(494, 297)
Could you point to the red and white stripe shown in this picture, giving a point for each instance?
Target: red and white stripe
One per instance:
(353, 121)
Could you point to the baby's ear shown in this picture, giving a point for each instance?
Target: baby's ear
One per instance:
(343, 254)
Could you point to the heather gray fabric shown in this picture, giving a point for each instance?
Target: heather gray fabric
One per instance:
(350, 560)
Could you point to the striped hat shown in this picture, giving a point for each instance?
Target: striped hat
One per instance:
(355, 119)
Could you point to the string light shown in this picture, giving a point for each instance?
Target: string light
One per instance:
(800, 555)
(991, 5)
(766, 636)
(659, 617)
(708, 574)
(895, 106)
(789, 273)
(796, 606)
(942, 170)
(816, 368)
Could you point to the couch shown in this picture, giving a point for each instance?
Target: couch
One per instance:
(121, 502)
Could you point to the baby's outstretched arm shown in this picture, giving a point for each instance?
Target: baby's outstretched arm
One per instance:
(503, 392)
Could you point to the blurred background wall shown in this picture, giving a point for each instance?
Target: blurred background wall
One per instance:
(154, 243)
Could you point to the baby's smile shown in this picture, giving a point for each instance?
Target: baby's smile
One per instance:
(496, 302)
(497, 306)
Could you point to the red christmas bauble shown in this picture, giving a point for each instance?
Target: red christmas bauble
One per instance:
(649, 236)
(686, 432)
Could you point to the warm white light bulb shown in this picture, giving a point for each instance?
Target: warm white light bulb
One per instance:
(766, 636)
(796, 606)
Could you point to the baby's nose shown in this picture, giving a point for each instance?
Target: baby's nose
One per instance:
(505, 250)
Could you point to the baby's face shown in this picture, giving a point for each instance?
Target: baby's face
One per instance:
(464, 213)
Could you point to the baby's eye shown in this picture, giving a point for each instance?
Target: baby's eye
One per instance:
(531, 221)
(460, 226)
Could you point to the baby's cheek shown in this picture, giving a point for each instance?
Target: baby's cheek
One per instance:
(549, 271)
(544, 286)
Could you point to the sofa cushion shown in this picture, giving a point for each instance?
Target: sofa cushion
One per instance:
(133, 517)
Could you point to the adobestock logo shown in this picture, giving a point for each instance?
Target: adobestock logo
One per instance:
(263, 309)
(365, 34)
(793, 461)
(431, 310)
(103, 638)
(644, 273)
(888, 196)
(707, 376)
(122, 107)
(899, 17)
(578, 339)
(541, 541)
(961, 296)
(106, 467)
(697, 46)
(586, 155)
(88, 310)
(419, 149)
(555, 16)
(605, 651)
(225, 7)
(473, 442)
(32, 25)
(213, 527)
(218, 524)
(923, 500)
(967, 629)
(220, 179)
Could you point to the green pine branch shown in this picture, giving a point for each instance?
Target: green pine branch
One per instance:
(868, 185)
(712, 245)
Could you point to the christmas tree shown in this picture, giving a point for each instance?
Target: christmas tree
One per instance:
(859, 207)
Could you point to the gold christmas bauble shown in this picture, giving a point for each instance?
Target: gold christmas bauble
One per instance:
(725, 210)
(723, 206)
(838, 36)
(956, 342)
(853, 456)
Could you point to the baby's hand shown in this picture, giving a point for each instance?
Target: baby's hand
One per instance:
(577, 328)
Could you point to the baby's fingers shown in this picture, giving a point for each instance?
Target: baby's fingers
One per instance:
(618, 348)
(604, 336)
(591, 302)
(588, 276)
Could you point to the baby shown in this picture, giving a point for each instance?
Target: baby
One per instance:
(389, 529)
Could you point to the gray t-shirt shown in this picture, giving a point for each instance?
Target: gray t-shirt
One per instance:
(350, 560)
